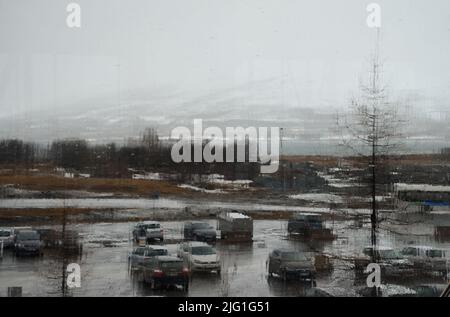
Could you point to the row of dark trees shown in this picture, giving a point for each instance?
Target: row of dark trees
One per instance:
(112, 160)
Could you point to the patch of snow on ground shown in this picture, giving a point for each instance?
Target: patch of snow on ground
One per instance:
(318, 197)
(198, 189)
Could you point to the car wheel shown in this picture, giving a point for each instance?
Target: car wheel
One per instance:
(284, 275)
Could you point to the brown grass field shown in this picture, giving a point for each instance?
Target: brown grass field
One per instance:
(98, 185)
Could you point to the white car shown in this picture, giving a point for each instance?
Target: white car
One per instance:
(427, 258)
(150, 230)
(7, 237)
(392, 263)
(199, 256)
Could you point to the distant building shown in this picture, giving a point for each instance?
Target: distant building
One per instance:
(421, 197)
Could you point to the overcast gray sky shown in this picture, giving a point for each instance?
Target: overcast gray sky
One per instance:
(313, 51)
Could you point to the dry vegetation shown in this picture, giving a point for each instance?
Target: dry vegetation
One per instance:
(99, 185)
(55, 213)
(399, 160)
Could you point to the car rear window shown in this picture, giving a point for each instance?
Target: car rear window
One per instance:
(28, 236)
(157, 252)
(389, 255)
(200, 226)
(152, 226)
(4, 233)
(293, 256)
(203, 250)
(435, 254)
(173, 265)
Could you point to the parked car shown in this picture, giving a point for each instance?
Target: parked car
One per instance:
(199, 256)
(392, 263)
(141, 254)
(199, 231)
(149, 230)
(235, 226)
(309, 225)
(289, 265)
(163, 271)
(27, 242)
(427, 258)
(7, 237)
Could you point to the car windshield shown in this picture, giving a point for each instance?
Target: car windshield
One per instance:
(389, 254)
(203, 250)
(157, 252)
(293, 256)
(202, 225)
(5, 233)
(28, 236)
(139, 251)
(435, 253)
(151, 226)
(172, 265)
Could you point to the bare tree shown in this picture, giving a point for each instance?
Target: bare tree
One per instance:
(150, 140)
(372, 131)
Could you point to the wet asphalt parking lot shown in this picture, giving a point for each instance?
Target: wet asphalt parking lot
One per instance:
(105, 270)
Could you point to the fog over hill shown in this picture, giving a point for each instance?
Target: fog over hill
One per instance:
(231, 63)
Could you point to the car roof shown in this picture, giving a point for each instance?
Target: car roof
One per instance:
(284, 250)
(423, 247)
(152, 247)
(198, 244)
(379, 248)
(22, 228)
(168, 258)
(307, 214)
(148, 223)
(21, 232)
(156, 247)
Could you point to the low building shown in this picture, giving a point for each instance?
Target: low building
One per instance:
(421, 198)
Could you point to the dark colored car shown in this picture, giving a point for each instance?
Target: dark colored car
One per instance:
(308, 225)
(199, 231)
(27, 242)
(290, 264)
(164, 271)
